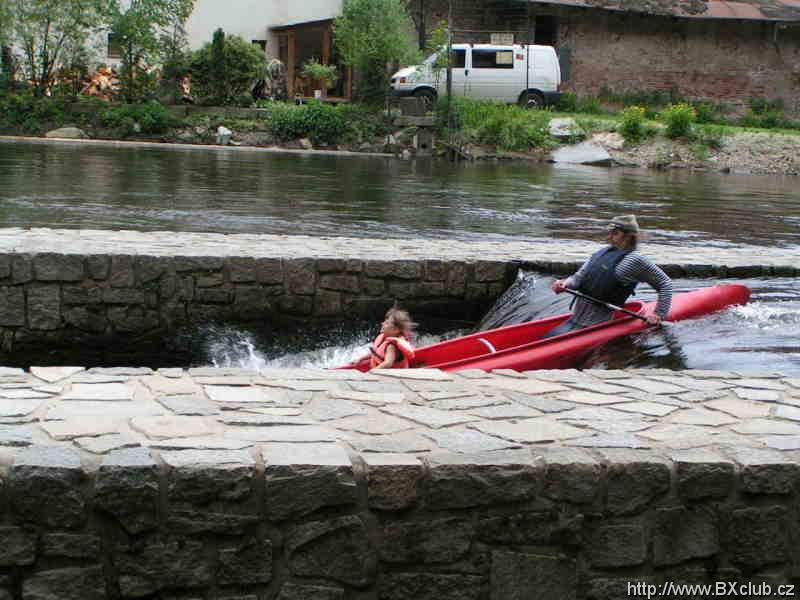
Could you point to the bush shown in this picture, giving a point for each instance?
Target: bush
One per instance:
(321, 123)
(507, 127)
(225, 72)
(632, 126)
(711, 136)
(31, 114)
(679, 119)
(129, 119)
(708, 112)
(590, 105)
(568, 102)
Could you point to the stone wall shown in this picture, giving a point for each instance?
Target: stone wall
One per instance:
(67, 296)
(719, 60)
(542, 523)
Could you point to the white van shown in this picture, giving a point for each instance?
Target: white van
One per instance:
(527, 75)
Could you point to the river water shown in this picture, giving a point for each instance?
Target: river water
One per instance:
(235, 191)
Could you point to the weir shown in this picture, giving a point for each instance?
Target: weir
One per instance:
(308, 484)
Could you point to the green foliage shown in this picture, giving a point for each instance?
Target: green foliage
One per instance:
(650, 99)
(632, 127)
(140, 30)
(590, 105)
(437, 44)
(368, 35)
(44, 29)
(31, 114)
(568, 102)
(147, 118)
(709, 112)
(315, 70)
(508, 127)
(225, 71)
(678, 119)
(767, 114)
(711, 136)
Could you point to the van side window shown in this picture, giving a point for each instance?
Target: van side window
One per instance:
(492, 59)
(458, 59)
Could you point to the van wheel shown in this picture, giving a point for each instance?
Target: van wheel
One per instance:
(531, 100)
(427, 96)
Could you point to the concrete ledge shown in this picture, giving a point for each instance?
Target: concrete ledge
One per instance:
(404, 485)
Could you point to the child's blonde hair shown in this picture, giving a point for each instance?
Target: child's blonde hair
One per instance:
(402, 321)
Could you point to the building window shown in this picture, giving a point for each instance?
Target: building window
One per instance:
(492, 59)
(114, 47)
(546, 32)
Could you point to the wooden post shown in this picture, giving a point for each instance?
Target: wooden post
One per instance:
(290, 63)
(326, 45)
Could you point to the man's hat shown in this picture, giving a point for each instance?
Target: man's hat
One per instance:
(627, 223)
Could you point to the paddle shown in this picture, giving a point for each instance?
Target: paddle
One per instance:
(606, 304)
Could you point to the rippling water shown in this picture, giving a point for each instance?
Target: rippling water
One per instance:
(228, 190)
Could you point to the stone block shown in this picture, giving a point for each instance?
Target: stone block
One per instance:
(248, 564)
(436, 270)
(44, 307)
(210, 280)
(122, 273)
(758, 536)
(487, 271)
(126, 488)
(400, 269)
(98, 266)
(69, 545)
(183, 264)
(476, 291)
(437, 541)
(133, 318)
(297, 305)
(269, 271)
(338, 549)
(302, 478)
(294, 591)
(681, 534)
(40, 474)
(151, 268)
(123, 296)
(5, 266)
(92, 320)
(18, 547)
(517, 575)
(160, 565)
(340, 282)
(633, 480)
(206, 484)
(327, 304)
(66, 584)
(12, 306)
(603, 588)
(617, 545)
(456, 281)
(703, 474)
(430, 586)
(241, 269)
(533, 528)
(301, 276)
(213, 295)
(332, 265)
(766, 471)
(21, 269)
(81, 294)
(374, 287)
(463, 481)
(571, 475)
(58, 267)
(393, 481)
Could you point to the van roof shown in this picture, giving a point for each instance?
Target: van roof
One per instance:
(500, 46)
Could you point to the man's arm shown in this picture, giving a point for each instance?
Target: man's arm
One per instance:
(636, 268)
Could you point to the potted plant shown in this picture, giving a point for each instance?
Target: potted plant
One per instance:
(324, 75)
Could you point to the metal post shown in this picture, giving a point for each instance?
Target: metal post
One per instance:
(449, 65)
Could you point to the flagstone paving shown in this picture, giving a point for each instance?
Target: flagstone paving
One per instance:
(416, 412)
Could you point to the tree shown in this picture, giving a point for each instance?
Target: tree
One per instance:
(45, 29)
(139, 29)
(369, 35)
(226, 70)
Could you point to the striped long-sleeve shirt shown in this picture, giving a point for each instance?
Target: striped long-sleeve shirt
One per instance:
(634, 268)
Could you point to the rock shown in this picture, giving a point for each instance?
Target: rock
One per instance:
(533, 576)
(67, 133)
(223, 135)
(586, 153)
(565, 129)
(609, 140)
(306, 144)
(66, 584)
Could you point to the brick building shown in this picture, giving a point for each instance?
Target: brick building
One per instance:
(723, 51)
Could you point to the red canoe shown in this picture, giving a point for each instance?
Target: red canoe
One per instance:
(521, 348)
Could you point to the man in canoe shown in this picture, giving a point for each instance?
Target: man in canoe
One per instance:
(610, 275)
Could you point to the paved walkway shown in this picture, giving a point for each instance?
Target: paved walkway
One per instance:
(406, 412)
(544, 253)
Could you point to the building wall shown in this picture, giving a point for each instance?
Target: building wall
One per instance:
(723, 61)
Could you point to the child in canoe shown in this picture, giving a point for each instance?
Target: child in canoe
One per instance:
(392, 348)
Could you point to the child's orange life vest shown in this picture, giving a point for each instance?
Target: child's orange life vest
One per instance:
(401, 344)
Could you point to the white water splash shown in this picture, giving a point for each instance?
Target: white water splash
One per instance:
(768, 317)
